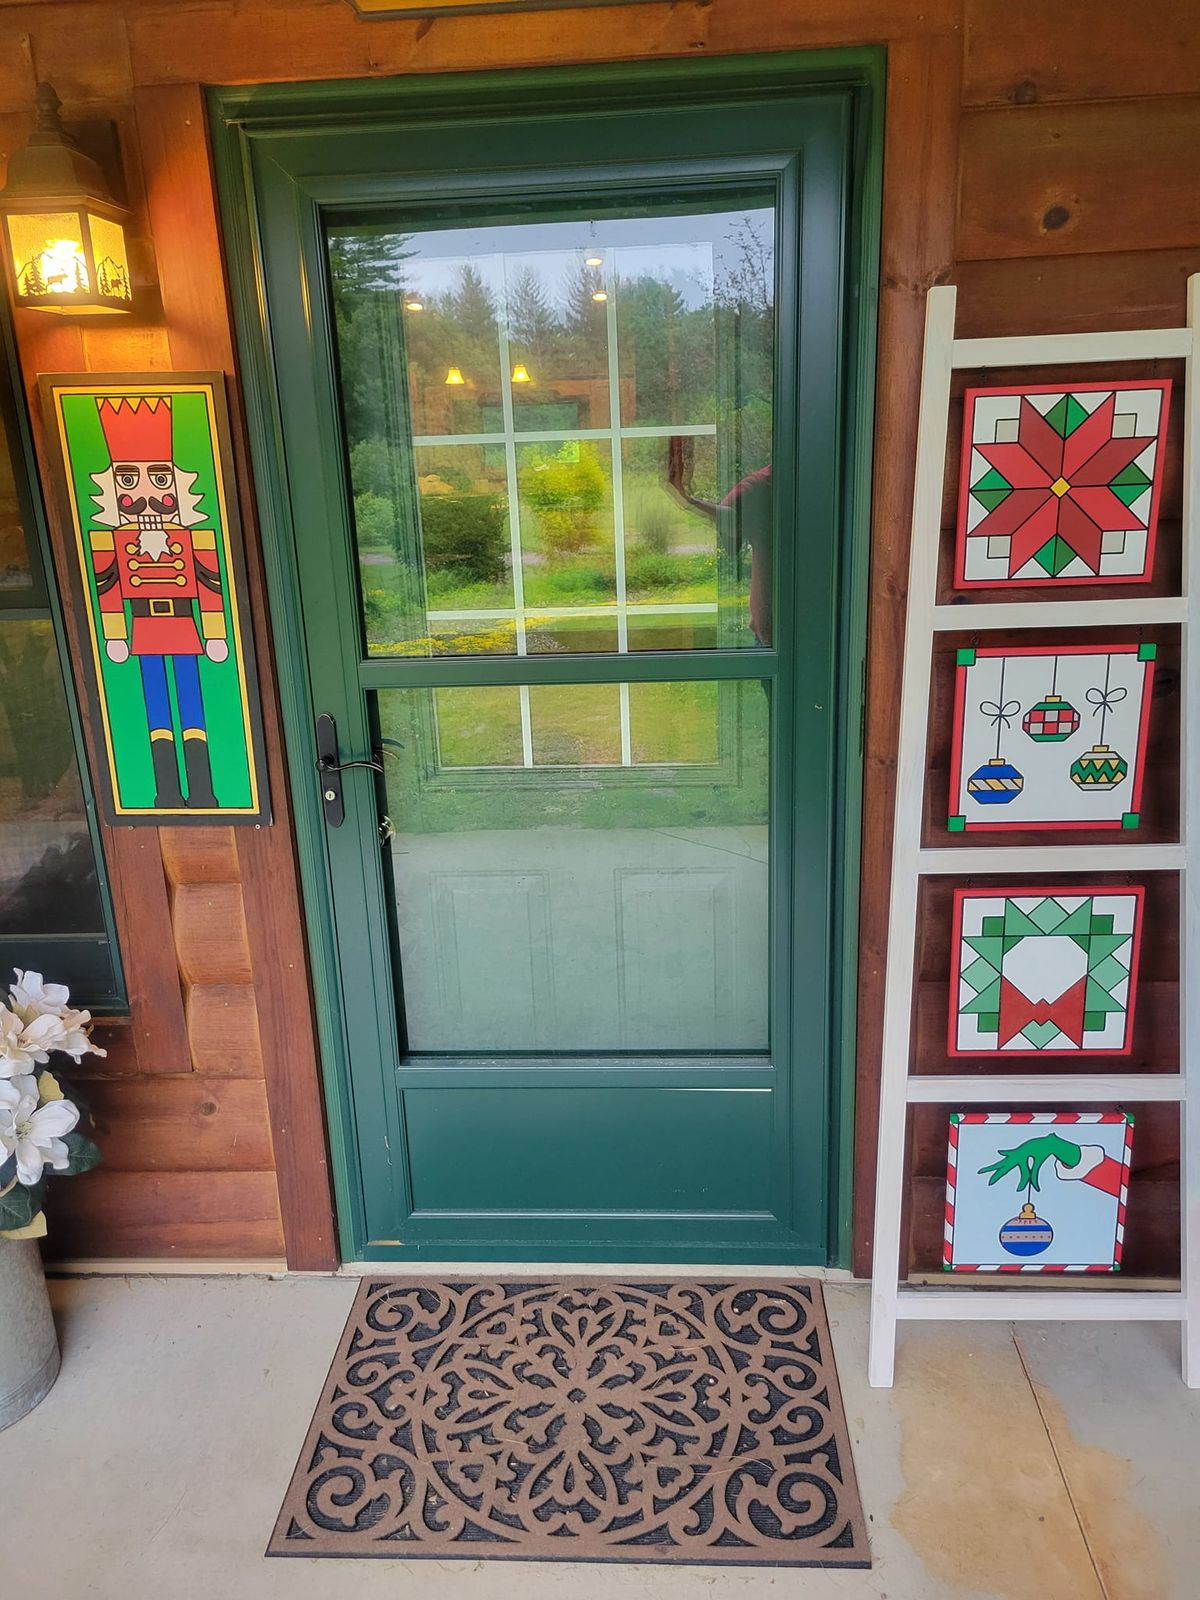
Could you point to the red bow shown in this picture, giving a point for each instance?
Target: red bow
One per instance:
(1017, 1009)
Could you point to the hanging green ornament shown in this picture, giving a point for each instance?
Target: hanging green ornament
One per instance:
(1099, 768)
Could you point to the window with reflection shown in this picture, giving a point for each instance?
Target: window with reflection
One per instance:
(53, 912)
(559, 431)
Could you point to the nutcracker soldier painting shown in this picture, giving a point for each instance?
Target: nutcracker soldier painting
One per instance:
(162, 586)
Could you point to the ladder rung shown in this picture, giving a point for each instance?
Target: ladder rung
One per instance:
(1148, 613)
(1040, 1305)
(1045, 1088)
(1040, 350)
(1009, 859)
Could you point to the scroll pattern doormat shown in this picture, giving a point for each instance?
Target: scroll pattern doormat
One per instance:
(580, 1419)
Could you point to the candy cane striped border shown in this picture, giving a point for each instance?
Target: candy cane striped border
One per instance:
(1060, 1118)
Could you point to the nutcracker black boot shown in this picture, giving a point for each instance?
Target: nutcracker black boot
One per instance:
(168, 796)
(199, 771)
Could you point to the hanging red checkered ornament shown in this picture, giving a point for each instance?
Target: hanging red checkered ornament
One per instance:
(1052, 719)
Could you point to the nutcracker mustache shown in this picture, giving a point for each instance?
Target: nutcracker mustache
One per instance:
(136, 507)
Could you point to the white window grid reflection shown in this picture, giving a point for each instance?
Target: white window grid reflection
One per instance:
(509, 438)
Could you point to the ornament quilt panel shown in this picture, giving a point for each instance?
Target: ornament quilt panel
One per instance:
(1044, 971)
(1050, 737)
(1037, 1191)
(1060, 485)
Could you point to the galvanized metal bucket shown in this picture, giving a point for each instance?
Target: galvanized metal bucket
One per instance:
(28, 1342)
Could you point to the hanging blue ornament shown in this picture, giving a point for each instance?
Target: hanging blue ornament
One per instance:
(1026, 1234)
(995, 783)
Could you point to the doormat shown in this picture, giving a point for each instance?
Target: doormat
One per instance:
(580, 1419)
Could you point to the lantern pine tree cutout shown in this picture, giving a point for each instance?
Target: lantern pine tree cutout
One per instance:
(1076, 759)
(997, 782)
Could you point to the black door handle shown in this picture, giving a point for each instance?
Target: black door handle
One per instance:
(331, 769)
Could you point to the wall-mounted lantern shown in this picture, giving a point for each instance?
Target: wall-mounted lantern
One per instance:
(64, 234)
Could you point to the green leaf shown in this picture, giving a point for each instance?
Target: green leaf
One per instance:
(8, 1171)
(20, 1205)
(84, 1155)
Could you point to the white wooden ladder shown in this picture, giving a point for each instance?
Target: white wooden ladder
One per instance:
(890, 1300)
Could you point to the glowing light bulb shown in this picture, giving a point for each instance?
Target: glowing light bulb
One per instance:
(600, 296)
(594, 261)
(520, 373)
(64, 267)
(414, 305)
(454, 376)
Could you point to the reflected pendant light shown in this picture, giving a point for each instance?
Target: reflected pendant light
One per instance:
(520, 373)
(454, 376)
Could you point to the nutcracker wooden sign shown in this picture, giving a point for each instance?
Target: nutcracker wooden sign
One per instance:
(160, 589)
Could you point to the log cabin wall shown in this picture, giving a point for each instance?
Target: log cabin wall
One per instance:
(1044, 158)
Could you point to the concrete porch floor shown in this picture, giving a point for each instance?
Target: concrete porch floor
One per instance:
(1043, 1462)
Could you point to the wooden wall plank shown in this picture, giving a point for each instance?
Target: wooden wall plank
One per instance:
(142, 914)
(918, 251)
(186, 1124)
(1022, 52)
(199, 855)
(211, 943)
(180, 198)
(257, 44)
(1065, 180)
(1059, 294)
(220, 1215)
(80, 48)
(222, 1024)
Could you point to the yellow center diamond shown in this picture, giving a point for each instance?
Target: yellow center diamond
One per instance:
(1059, 487)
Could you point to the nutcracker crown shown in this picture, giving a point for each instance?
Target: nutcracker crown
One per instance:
(138, 428)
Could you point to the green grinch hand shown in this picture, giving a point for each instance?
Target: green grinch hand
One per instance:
(1028, 1159)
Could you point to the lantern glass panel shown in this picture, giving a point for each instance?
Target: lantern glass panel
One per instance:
(47, 255)
(111, 261)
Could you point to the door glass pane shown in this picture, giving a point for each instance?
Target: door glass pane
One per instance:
(560, 431)
(581, 867)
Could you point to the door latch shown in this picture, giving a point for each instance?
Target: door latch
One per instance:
(331, 768)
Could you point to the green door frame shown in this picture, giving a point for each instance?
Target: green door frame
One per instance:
(248, 125)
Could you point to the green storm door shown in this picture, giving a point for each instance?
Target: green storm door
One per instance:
(560, 402)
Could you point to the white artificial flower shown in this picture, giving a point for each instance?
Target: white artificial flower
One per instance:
(18, 1054)
(47, 1022)
(33, 1133)
(74, 1041)
(42, 1035)
(30, 997)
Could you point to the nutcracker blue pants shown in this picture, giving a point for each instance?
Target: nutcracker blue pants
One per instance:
(187, 691)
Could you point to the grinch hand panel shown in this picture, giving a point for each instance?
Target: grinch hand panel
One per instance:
(1044, 971)
(1060, 485)
(1037, 1191)
(163, 589)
